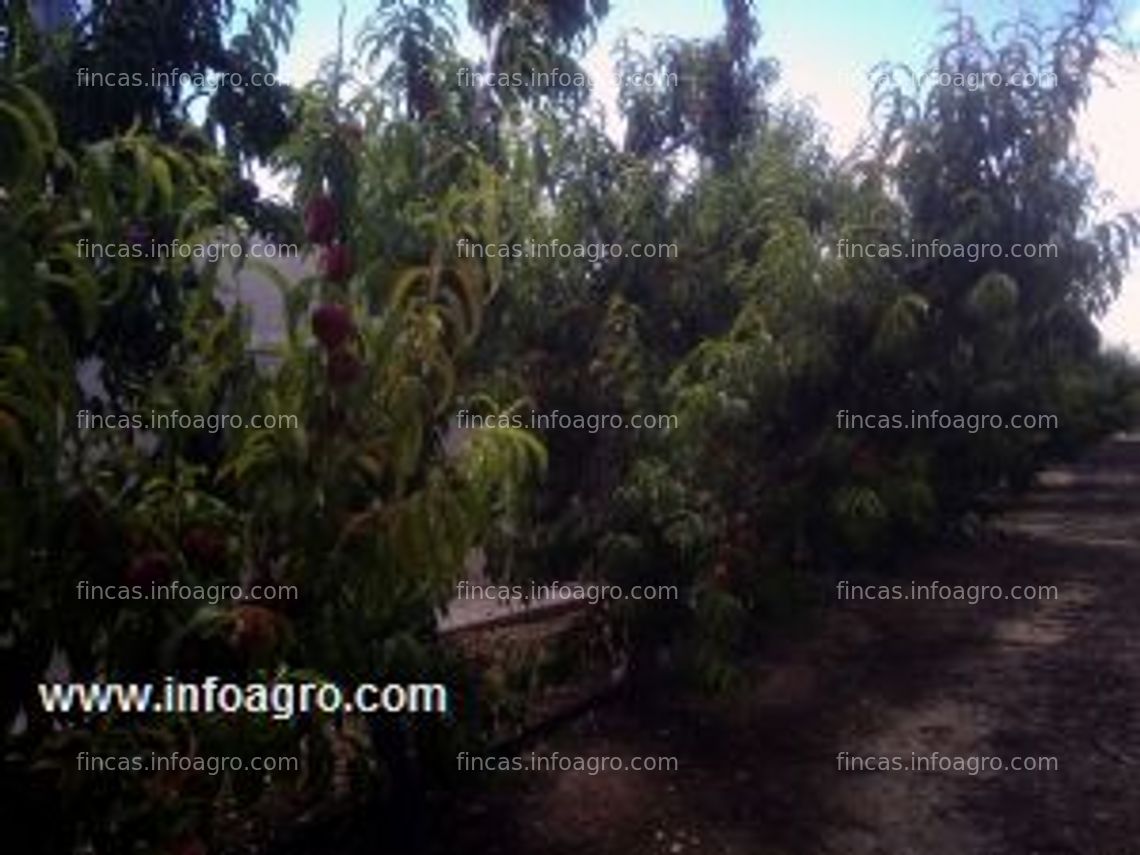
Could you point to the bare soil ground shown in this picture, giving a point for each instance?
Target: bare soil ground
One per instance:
(758, 772)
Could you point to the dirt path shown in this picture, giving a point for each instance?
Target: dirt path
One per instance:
(759, 775)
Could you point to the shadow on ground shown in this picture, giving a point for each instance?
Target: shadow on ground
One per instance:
(759, 773)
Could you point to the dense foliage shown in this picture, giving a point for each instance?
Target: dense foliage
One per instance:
(358, 504)
(763, 330)
(756, 334)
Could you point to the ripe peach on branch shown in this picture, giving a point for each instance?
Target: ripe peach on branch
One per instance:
(332, 325)
(321, 219)
(336, 263)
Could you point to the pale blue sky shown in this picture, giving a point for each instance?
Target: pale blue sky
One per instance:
(826, 49)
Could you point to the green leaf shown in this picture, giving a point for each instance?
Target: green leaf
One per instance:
(164, 181)
(31, 159)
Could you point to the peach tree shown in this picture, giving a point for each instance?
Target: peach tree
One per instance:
(364, 503)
